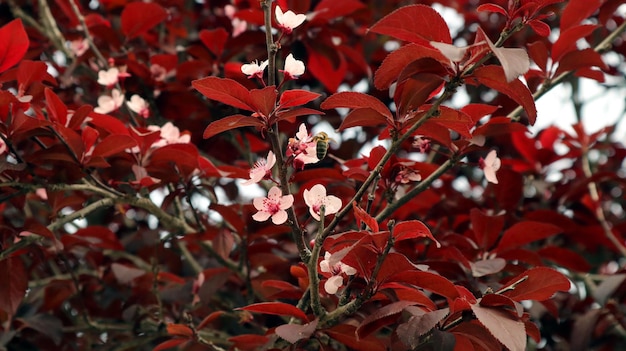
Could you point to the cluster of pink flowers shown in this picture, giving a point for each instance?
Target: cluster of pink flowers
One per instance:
(110, 103)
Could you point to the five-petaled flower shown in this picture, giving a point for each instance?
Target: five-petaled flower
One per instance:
(293, 68)
(490, 165)
(170, 134)
(274, 205)
(111, 76)
(289, 20)
(261, 169)
(316, 197)
(303, 148)
(253, 69)
(336, 281)
(138, 105)
(111, 103)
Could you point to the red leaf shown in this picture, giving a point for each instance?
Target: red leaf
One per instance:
(169, 344)
(139, 17)
(29, 72)
(568, 38)
(330, 9)
(296, 97)
(230, 215)
(231, 122)
(365, 217)
(486, 228)
(210, 318)
(538, 52)
(499, 126)
(114, 144)
(214, 40)
(565, 258)
(415, 91)
(580, 59)
(296, 332)
(290, 115)
(395, 62)
(540, 27)
(408, 24)
(538, 283)
(494, 78)
(510, 332)
(14, 284)
(13, 44)
(492, 8)
(276, 308)
(362, 117)
(419, 325)
(412, 229)
(577, 10)
(346, 335)
(355, 100)
(264, 100)
(55, 107)
(450, 118)
(526, 232)
(428, 281)
(250, 342)
(179, 330)
(224, 90)
(381, 317)
(329, 73)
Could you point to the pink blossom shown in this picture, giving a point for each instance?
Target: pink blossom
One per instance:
(336, 281)
(138, 105)
(421, 143)
(108, 103)
(490, 165)
(274, 205)
(303, 148)
(3, 146)
(289, 20)
(293, 68)
(253, 69)
(261, 169)
(406, 175)
(79, 46)
(316, 197)
(239, 25)
(109, 77)
(170, 134)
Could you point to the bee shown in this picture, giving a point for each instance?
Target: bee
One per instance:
(322, 140)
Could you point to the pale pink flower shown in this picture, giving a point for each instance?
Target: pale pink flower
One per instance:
(239, 25)
(108, 103)
(303, 148)
(336, 281)
(289, 20)
(316, 197)
(406, 175)
(421, 143)
(253, 69)
(170, 134)
(261, 169)
(293, 68)
(79, 46)
(490, 165)
(3, 146)
(138, 105)
(109, 77)
(274, 205)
